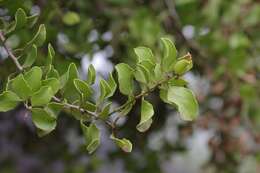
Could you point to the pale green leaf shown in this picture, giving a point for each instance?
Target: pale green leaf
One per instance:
(170, 54)
(33, 78)
(42, 97)
(83, 88)
(43, 120)
(70, 92)
(91, 76)
(147, 113)
(92, 136)
(185, 100)
(125, 78)
(105, 112)
(52, 73)
(54, 108)
(71, 18)
(144, 53)
(21, 87)
(124, 143)
(142, 74)
(112, 84)
(53, 83)
(51, 54)
(105, 90)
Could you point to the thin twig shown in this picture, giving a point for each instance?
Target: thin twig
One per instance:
(10, 53)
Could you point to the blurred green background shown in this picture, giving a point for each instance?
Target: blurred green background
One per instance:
(223, 37)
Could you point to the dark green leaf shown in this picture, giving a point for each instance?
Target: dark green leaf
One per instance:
(31, 57)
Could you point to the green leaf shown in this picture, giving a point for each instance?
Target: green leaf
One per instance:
(54, 109)
(124, 143)
(51, 54)
(125, 78)
(177, 82)
(53, 83)
(83, 88)
(105, 90)
(144, 53)
(91, 76)
(183, 65)
(92, 136)
(33, 78)
(31, 57)
(164, 96)
(21, 87)
(43, 120)
(158, 75)
(20, 21)
(185, 100)
(147, 113)
(170, 54)
(142, 74)
(112, 84)
(89, 106)
(39, 37)
(52, 73)
(70, 92)
(42, 97)
(31, 20)
(20, 18)
(127, 106)
(8, 101)
(71, 18)
(105, 112)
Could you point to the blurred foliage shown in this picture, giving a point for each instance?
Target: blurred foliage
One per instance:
(222, 36)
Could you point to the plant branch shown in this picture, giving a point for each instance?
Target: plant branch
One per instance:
(142, 94)
(82, 110)
(10, 53)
